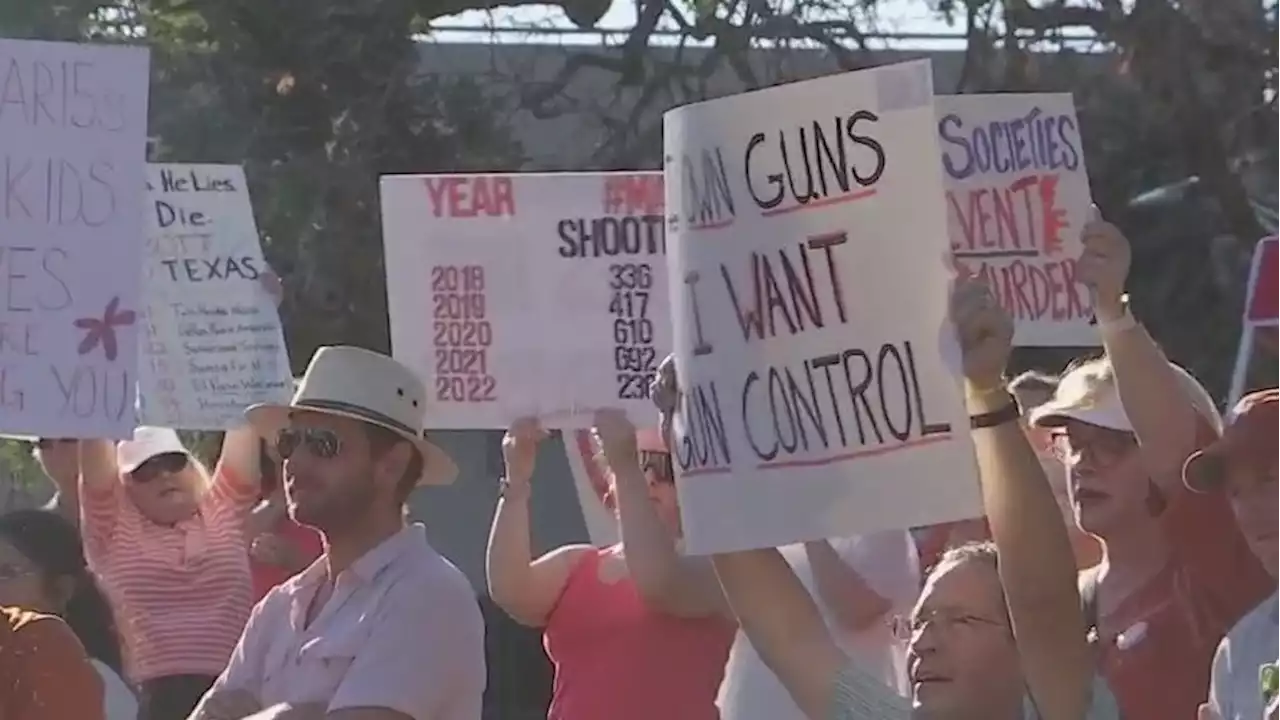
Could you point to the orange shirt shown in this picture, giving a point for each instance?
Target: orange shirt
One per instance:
(1157, 646)
(44, 673)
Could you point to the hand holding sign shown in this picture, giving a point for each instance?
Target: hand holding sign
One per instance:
(617, 437)
(1104, 265)
(985, 330)
(520, 449)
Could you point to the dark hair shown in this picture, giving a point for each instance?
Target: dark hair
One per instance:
(53, 545)
(381, 440)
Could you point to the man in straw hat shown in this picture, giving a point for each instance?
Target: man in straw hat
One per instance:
(381, 627)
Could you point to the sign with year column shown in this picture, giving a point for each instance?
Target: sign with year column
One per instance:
(528, 294)
(213, 344)
(73, 134)
(810, 316)
(1017, 197)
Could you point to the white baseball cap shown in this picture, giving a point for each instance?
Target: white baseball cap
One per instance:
(147, 442)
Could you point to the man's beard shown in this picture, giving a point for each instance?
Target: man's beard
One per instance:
(340, 510)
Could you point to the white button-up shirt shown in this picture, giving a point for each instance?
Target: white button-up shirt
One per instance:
(402, 630)
(1236, 689)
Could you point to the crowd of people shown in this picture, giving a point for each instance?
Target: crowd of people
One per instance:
(1125, 567)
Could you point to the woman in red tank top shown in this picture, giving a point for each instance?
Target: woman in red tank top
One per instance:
(635, 631)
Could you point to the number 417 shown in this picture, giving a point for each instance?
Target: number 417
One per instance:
(630, 304)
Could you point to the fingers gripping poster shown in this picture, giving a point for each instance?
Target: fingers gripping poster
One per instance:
(809, 267)
(1017, 197)
(73, 133)
(531, 294)
(213, 343)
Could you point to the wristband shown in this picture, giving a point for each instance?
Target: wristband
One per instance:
(1122, 324)
(995, 418)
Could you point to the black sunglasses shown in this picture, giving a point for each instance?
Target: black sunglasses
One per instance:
(659, 463)
(155, 466)
(323, 444)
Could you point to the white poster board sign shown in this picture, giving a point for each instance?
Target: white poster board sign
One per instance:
(1017, 198)
(214, 344)
(73, 135)
(590, 486)
(808, 232)
(530, 294)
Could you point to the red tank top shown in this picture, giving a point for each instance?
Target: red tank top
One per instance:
(615, 659)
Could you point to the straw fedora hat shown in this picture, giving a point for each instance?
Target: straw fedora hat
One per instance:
(362, 385)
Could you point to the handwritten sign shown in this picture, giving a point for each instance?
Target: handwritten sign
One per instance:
(73, 133)
(213, 343)
(528, 294)
(807, 228)
(1017, 197)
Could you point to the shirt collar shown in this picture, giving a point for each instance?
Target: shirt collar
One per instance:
(367, 566)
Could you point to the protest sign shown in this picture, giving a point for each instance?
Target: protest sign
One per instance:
(1260, 310)
(213, 343)
(73, 134)
(517, 295)
(807, 229)
(1017, 197)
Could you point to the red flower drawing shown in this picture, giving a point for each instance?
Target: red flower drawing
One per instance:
(103, 330)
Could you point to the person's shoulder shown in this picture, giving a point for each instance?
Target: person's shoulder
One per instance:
(1257, 629)
(23, 624)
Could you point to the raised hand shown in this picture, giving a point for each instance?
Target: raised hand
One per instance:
(520, 449)
(985, 331)
(1103, 266)
(665, 390)
(617, 436)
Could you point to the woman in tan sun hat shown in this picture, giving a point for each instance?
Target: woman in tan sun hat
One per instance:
(380, 620)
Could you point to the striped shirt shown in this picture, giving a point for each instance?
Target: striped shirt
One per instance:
(181, 593)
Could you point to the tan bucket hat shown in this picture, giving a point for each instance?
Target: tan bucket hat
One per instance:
(362, 385)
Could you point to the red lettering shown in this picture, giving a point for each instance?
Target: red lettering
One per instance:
(636, 194)
(1022, 215)
(1032, 291)
(468, 197)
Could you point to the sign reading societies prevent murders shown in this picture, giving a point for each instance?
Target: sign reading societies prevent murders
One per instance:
(810, 271)
(528, 294)
(1017, 198)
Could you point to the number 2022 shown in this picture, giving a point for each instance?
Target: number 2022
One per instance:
(476, 388)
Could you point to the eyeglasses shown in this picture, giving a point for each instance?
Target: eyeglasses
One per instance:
(155, 466)
(947, 621)
(323, 444)
(1103, 446)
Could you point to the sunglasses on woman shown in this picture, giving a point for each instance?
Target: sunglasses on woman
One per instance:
(323, 444)
(165, 463)
(659, 463)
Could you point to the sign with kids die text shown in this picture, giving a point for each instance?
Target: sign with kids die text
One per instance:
(527, 294)
(73, 135)
(810, 273)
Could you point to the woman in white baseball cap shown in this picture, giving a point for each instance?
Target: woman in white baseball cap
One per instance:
(167, 539)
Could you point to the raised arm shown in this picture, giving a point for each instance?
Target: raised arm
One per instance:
(99, 495)
(1157, 402)
(1037, 568)
(853, 602)
(525, 588)
(237, 478)
(667, 581)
